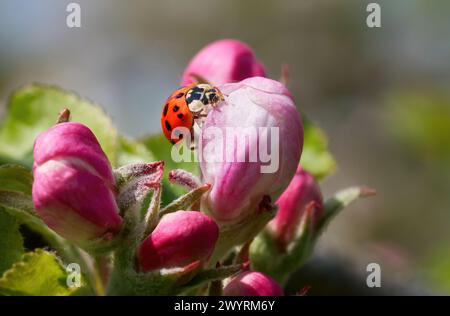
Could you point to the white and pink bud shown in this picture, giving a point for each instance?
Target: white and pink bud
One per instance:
(73, 187)
(257, 153)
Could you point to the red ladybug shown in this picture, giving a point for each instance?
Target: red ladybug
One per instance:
(185, 105)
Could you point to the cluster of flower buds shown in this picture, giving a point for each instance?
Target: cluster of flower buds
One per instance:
(248, 171)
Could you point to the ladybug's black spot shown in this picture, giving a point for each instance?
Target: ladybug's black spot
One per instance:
(179, 95)
(196, 93)
(212, 97)
(205, 100)
(169, 128)
(176, 108)
(180, 116)
(166, 108)
(198, 89)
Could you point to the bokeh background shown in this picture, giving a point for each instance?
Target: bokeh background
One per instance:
(382, 96)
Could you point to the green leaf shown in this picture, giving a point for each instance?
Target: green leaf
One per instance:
(20, 207)
(15, 188)
(15, 178)
(316, 158)
(11, 243)
(34, 108)
(15, 195)
(16, 203)
(39, 273)
(132, 151)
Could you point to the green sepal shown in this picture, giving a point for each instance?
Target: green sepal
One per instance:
(236, 234)
(126, 279)
(338, 202)
(135, 185)
(212, 275)
(267, 256)
(186, 200)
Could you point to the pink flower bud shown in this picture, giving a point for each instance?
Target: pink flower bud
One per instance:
(251, 147)
(251, 283)
(73, 183)
(301, 192)
(179, 239)
(223, 61)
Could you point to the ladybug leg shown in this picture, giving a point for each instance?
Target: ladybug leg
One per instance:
(221, 95)
(200, 115)
(192, 147)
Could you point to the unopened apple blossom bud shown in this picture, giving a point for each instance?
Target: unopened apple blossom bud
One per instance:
(223, 61)
(250, 283)
(179, 239)
(73, 187)
(251, 148)
(302, 192)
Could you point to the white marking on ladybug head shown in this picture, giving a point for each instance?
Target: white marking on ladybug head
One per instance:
(196, 106)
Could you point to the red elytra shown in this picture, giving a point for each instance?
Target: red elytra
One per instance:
(176, 113)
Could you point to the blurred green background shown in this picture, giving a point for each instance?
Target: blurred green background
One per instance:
(382, 95)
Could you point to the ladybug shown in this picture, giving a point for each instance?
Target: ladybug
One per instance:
(186, 106)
